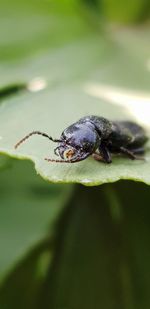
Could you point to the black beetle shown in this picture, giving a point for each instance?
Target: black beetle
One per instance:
(99, 137)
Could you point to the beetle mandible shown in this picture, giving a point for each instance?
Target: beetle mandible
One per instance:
(99, 137)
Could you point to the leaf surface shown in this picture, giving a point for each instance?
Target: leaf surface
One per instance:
(82, 86)
(87, 74)
(28, 210)
(102, 250)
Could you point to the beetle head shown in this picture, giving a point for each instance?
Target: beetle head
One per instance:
(77, 142)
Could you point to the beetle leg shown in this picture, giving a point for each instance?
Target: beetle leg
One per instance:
(138, 150)
(130, 154)
(104, 155)
(97, 157)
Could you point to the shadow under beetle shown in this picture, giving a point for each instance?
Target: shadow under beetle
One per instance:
(99, 137)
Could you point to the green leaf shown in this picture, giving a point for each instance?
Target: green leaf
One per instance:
(28, 210)
(102, 250)
(29, 27)
(126, 12)
(21, 288)
(100, 255)
(5, 162)
(87, 77)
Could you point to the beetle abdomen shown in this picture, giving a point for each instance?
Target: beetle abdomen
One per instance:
(127, 133)
(138, 133)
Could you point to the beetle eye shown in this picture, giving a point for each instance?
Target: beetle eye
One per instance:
(69, 153)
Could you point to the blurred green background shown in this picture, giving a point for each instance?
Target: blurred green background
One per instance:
(66, 246)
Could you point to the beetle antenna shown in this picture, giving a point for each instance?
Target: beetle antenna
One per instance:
(33, 133)
(60, 161)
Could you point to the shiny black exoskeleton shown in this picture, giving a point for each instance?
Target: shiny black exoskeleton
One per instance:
(99, 137)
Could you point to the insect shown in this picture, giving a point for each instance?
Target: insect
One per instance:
(98, 137)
